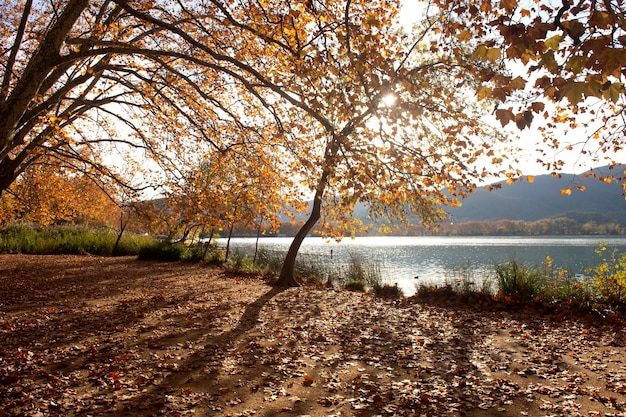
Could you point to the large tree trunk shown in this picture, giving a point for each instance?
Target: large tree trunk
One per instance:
(287, 273)
(7, 176)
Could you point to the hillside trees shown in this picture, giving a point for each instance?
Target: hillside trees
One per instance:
(571, 63)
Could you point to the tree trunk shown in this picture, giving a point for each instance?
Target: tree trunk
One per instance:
(8, 173)
(287, 273)
(123, 224)
(230, 234)
(207, 245)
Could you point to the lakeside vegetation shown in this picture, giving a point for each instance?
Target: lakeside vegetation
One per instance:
(512, 281)
(70, 240)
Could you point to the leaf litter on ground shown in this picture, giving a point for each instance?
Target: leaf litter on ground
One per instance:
(89, 336)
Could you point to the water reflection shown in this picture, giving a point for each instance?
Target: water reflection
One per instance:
(433, 259)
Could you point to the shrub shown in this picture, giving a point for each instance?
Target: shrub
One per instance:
(609, 277)
(163, 251)
(517, 280)
(131, 244)
(214, 257)
(356, 285)
(560, 285)
(388, 291)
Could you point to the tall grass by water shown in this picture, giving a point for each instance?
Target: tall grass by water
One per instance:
(71, 240)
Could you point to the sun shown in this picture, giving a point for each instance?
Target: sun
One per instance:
(389, 100)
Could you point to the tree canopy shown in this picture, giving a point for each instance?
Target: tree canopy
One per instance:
(571, 66)
(239, 109)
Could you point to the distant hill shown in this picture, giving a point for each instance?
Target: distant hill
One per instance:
(542, 199)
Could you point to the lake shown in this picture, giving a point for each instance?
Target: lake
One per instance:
(433, 259)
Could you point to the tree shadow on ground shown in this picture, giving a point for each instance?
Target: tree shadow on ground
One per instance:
(204, 369)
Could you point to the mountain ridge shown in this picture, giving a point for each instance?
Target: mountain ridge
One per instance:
(542, 199)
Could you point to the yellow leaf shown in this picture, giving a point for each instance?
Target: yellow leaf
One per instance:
(554, 42)
(509, 5)
(465, 36)
(566, 192)
(479, 53)
(530, 178)
(517, 83)
(494, 54)
(483, 92)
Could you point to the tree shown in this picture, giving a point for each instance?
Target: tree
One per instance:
(352, 109)
(393, 124)
(572, 59)
(82, 79)
(46, 195)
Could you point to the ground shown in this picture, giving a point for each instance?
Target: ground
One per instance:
(90, 336)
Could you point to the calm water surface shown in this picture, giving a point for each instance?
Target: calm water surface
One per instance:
(435, 259)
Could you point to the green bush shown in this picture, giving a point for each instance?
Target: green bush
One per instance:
(359, 285)
(388, 291)
(214, 257)
(164, 251)
(242, 263)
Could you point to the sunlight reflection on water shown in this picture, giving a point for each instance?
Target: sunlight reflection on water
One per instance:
(435, 259)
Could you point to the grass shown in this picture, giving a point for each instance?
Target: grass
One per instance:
(358, 275)
(72, 240)
(513, 282)
(518, 280)
(78, 240)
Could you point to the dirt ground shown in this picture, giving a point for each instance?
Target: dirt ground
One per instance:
(90, 336)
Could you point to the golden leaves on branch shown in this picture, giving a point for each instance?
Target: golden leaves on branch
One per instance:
(574, 52)
(46, 195)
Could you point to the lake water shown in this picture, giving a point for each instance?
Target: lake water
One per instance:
(435, 259)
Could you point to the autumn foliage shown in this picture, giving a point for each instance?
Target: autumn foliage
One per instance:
(46, 195)
(567, 65)
(236, 110)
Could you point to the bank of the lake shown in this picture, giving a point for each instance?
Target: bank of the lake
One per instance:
(105, 336)
(409, 261)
